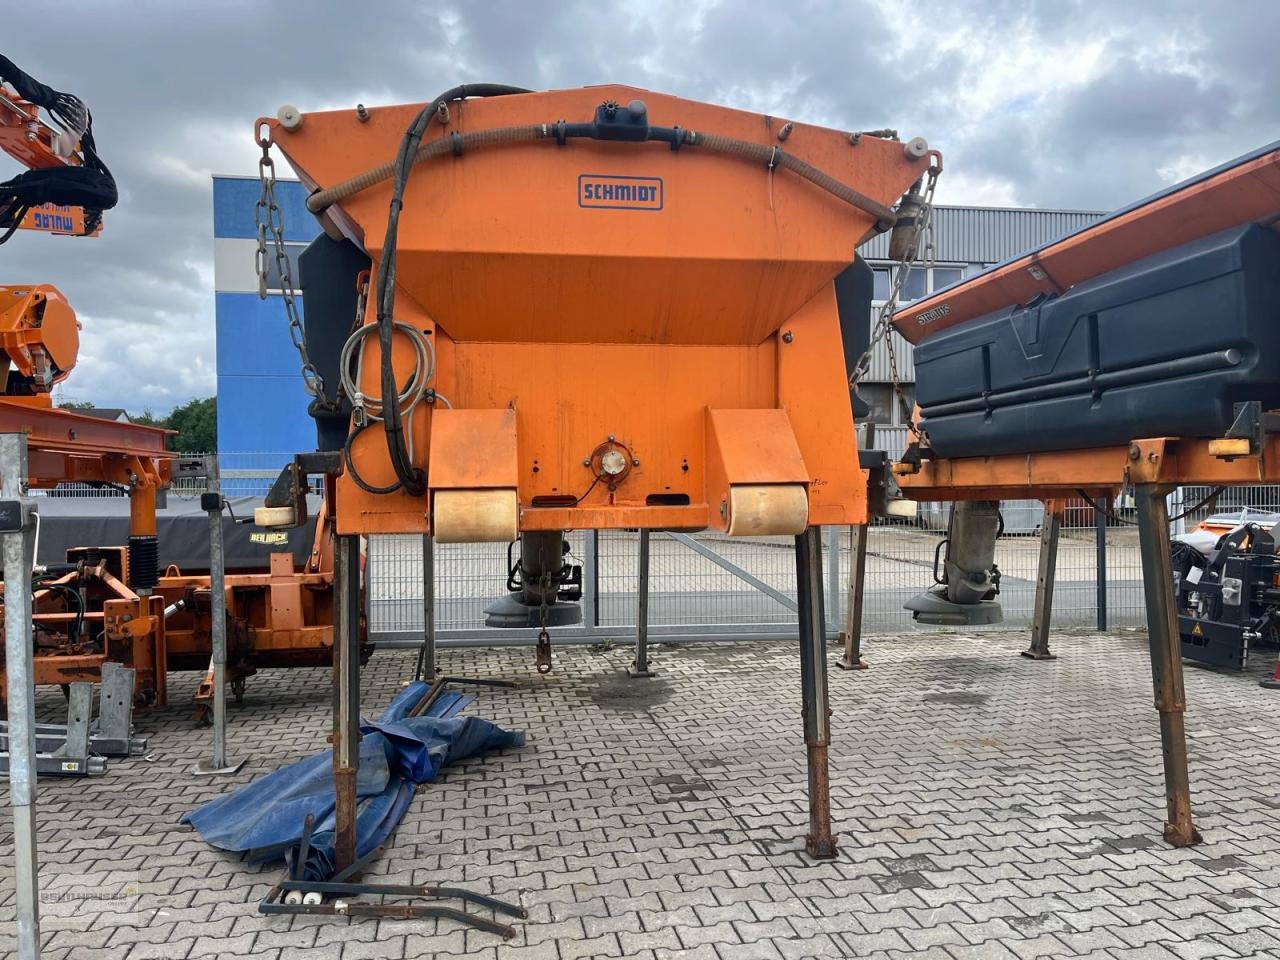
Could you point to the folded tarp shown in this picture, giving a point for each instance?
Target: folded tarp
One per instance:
(397, 753)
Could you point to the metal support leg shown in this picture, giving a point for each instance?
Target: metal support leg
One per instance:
(213, 503)
(857, 591)
(1166, 660)
(19, 555)
(820, 843)
(640, 667)
(1042, 618)
(346, 693)
(427, 653)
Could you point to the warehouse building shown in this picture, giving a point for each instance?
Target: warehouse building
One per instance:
(262, 408)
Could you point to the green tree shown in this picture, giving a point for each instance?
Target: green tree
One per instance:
(196, 423)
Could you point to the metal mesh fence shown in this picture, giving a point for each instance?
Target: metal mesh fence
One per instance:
(708, 584)
(721, 586)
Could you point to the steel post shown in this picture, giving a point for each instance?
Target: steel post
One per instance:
(591, 580)
(427, 654)
(857, 591)
(19, 556)
(1166, 660)
(1042, 616)
(213, 503)
(346, 693)
(640, 666)
(820, 843)
(1100, 557)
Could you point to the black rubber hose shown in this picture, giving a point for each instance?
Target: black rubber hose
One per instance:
(410, 478)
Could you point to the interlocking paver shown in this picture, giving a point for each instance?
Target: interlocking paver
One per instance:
(665, 818)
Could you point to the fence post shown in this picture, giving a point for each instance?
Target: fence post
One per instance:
(591, 580)
(213, 504)
(19, 556)
(833, 581)
(1100, 557)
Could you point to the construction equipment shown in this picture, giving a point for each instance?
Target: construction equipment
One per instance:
(1138, 352)
(66, 186)
(102, 603)
(601, 308)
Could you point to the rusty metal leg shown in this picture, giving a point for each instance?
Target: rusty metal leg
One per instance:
(1042, 618)
(857, 588)
(346, 693)
(1166, 660)
(640, 667)
(820, 843)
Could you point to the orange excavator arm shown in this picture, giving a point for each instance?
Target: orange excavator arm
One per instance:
(66, 186)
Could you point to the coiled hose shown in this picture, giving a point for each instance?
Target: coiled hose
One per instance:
(370, 408)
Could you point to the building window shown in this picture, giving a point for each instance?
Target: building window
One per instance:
(920, 281)
(886, 409)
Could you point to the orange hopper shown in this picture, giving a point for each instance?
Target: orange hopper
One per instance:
(611, 309)
(674, 307)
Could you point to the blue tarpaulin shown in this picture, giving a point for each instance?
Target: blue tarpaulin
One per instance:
(397, 753)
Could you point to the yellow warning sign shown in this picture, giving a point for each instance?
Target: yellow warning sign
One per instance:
(1196, 631)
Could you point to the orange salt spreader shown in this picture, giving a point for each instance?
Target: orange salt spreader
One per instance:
(606, 308)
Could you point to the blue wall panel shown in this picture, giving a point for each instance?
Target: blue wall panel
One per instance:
(253, 336)
(262, 408)
(234, 201)
(264, 414)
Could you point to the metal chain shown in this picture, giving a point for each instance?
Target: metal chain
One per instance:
(269, 218)
(920, 252)
(542, 650)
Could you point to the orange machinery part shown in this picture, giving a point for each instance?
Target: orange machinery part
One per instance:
(626, 320)
(29, 140)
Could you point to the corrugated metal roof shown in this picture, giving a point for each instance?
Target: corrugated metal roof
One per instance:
(990, 234)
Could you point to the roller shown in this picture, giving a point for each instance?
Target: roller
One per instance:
(767, 509)
(475, 516)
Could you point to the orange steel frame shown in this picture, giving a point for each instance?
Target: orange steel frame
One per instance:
(1153, 467)
(280, 617)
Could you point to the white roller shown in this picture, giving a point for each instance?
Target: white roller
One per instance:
(767, 509)
(274, 516)
(475, 516)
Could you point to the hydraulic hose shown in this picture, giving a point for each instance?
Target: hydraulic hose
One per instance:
(410, 478)
(459, 143)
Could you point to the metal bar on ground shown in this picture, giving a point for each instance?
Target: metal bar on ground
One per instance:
(820, 843)
(1166, 660)
(346, 678)
(852, 634)
(1046, 573)
(1100, 557)
(640, 666)
(213, 504)
(19, 555)
(736, 570)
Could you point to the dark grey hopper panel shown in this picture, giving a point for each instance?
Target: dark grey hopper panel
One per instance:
(1162, 347)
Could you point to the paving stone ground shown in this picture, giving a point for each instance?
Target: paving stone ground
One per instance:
(989, 807)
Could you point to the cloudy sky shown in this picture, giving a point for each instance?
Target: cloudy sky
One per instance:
(1052, 104)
